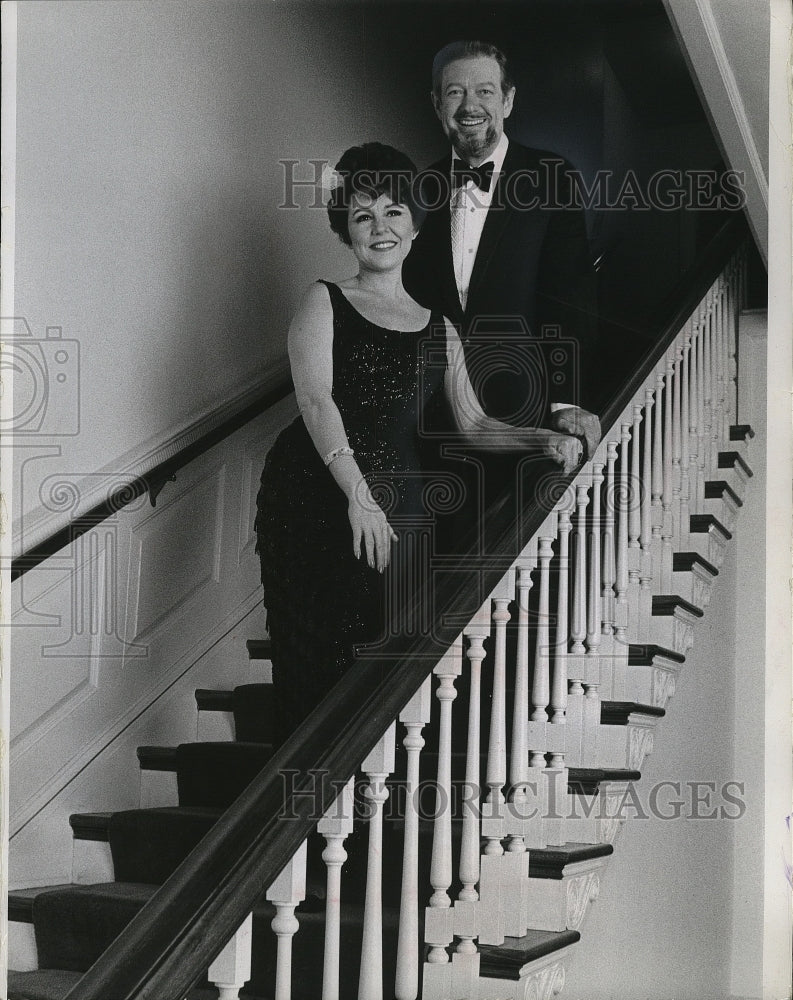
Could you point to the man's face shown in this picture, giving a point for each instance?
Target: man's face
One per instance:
(471, 106)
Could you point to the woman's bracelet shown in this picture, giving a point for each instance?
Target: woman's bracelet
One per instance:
(333, 455)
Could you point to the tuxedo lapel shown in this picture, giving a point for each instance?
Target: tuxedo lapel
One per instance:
(495, 223)
(445, 264)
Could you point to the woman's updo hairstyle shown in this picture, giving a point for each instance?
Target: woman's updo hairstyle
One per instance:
(372, 169)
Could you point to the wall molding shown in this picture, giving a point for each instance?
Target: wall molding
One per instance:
(34, 526)
(69, 770)
(709, 66)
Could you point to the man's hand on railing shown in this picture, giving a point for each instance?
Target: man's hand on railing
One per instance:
(580, 423)
(566, 450)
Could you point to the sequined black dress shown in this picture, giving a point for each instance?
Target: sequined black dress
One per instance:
(320, 600)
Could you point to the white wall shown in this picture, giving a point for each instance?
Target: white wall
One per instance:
(149, 137)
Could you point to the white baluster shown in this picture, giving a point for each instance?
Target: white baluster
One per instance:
(621, 587)
(634, 535)
(335, 826)
(579, 623)
(496, 777)
(285, 893)
(694, 502)
(590, 707)
(504, 875)
(646, 570)
(438, 916)
(667, 526)
(677, 444)
(732, 347)
(231, 970)
(467, 915)
(609, 564)
(685, 481)
(700, 424)
(598, 668)
(377, 766)
(657, 503)
(707, 334)
(718, 429)
(469, 851)
(414, 716)
(541, 686)
(560, 682)
(519, 757)
(558, 728)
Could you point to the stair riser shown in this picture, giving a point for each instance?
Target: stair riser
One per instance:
(540, 980)
(91, 862)
(694, 586)
(592, 819)
(625, 746)
(675, 631)
(158, 788)
(562, 904)
(724, 510)
(711, 545)
(214, 727)
(653, 685)
(22, 952)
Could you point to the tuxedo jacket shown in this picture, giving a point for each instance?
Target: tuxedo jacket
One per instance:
(529, 324)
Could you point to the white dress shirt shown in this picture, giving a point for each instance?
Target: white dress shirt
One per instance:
(469, 205)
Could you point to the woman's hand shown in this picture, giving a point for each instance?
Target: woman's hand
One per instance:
(566, 450)
(370, 530)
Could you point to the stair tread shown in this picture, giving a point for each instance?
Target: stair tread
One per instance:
(729, 459)
(258, 649)
(550, 862)
(665, 604)
(162, 758)
(212, 700)
(642, 654)
(617, 713)
(41, 984)
(54, 984)
(716, 488)
(155, 758)
(741, 432)
(702, 523)
(95, 826)
(506, 960)
(683, 562)
(20, 901)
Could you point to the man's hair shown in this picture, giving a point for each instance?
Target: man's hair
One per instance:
(371, 169)
(465, 50)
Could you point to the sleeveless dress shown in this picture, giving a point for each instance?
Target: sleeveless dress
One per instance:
(321, 601)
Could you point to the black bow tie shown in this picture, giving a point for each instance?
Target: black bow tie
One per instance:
(481, 176)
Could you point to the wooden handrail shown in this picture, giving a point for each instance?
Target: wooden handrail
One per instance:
(278, 386)
(190, 918)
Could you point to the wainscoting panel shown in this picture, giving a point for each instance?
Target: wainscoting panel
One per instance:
(111, 630)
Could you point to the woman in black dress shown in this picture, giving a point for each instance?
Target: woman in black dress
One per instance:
(352, 461)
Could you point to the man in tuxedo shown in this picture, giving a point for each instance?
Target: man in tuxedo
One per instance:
(503, 253)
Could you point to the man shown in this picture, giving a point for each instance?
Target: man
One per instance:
(503, 253)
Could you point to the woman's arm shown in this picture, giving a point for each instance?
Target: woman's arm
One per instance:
(493, 434)
(310, 347)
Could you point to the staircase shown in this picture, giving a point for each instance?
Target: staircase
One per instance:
(462, 861)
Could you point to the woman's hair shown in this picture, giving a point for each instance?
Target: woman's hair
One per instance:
(466, 50)
(372, 169)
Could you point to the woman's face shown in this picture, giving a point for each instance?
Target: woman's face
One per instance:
(381, 231)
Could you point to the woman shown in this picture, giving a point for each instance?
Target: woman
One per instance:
(348, 469)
